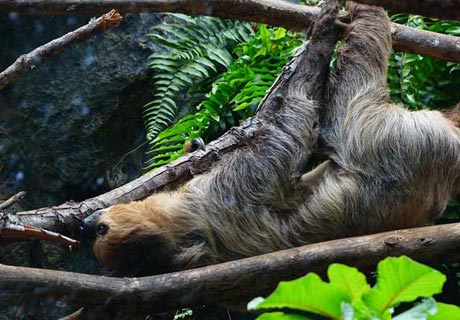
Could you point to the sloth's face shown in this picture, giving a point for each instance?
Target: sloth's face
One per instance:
(133, 238)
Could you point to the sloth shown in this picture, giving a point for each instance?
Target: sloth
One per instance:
(387, 168)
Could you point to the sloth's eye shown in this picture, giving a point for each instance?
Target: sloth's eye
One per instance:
(101, 229)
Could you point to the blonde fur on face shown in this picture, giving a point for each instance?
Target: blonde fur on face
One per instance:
(126, 222)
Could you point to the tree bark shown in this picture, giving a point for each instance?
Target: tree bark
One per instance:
(234, 282)
(274, 12)
(441, 9)
(31, 59)
(426, 43)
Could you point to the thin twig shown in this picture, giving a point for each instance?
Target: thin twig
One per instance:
(16, 232)
(30, 60)
(74, 316)
(14, 199)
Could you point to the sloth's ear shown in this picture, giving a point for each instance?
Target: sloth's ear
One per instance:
(312, 177)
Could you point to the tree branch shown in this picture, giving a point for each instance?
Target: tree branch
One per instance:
(66, 218)
(426, 43)
(441, 9)
(274, 12)
(74, 316)
(14, 199)
(30, 60)
(236, 281)
(14, 232)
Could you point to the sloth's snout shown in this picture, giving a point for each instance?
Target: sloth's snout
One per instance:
(88, 225)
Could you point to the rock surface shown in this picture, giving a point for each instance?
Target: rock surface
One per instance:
(67, 125)
(66, 131)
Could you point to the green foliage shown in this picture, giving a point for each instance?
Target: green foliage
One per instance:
(421, 82)
(347, 295)
(183, 314)
(325, 301)
(199, 49)
(402, 280)
(234, 94)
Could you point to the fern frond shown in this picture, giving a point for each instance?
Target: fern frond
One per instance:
(235, 93)
(198, 49)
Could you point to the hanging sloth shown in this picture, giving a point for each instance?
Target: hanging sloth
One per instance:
(387, 168)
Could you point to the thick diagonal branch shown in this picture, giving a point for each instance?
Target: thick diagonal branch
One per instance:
(237, 281)
(66, 218)
(31, 59)
(274, 12)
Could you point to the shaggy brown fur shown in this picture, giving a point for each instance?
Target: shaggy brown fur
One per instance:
(389, 168)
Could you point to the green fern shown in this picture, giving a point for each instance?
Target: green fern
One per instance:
(234, 95)
(199, 48)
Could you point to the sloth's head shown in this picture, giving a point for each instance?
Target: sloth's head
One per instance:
(134, 238)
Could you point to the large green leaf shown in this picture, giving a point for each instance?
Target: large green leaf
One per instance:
(348, 278)
(402, 280)
(308, 294)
